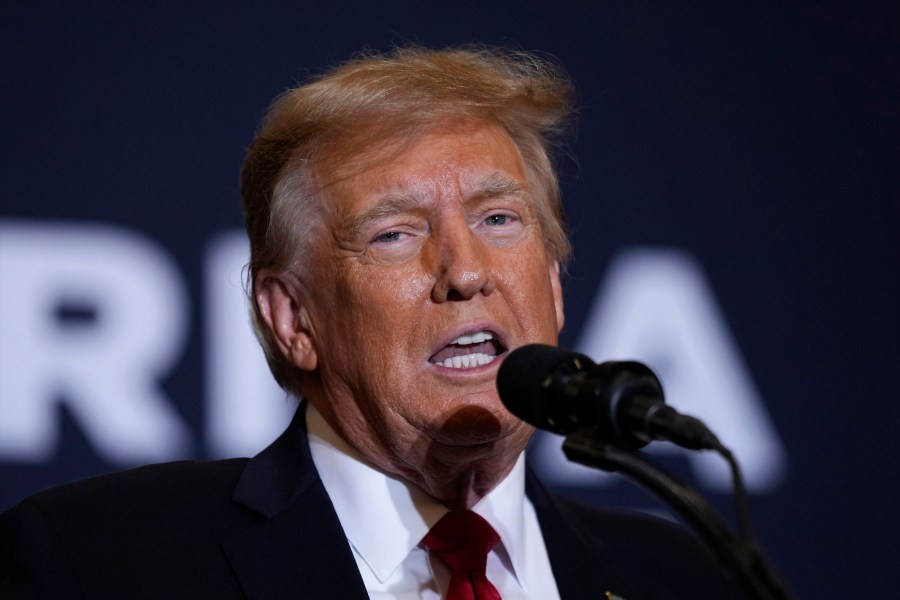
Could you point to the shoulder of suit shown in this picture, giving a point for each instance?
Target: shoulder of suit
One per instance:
(175, 487)
(628, 530)
(653, 547)
(149, 532)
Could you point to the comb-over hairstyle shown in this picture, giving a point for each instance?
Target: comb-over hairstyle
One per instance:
(387, 99)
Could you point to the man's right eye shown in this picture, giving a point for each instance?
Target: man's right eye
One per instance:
(391, 236)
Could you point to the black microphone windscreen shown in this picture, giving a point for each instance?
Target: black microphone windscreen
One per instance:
(521, 378)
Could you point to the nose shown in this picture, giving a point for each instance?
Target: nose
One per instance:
(462, 266)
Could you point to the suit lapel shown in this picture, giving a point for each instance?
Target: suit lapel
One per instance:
(299, 550)
(581, 565)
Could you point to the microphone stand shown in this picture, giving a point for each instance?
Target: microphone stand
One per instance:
(741, 554)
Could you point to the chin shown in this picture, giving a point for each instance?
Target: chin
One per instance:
(476, 425)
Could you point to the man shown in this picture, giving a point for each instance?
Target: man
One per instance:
(406, 233)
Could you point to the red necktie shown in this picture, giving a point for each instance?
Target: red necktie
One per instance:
(463, 539)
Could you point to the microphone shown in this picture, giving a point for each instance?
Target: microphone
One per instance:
(622, 402)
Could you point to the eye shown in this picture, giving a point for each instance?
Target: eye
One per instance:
(390, 236)
(501, 226)
(497, 220)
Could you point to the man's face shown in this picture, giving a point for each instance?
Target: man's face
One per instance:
(428, 267)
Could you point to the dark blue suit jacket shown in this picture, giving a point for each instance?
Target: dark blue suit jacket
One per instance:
(265, 528)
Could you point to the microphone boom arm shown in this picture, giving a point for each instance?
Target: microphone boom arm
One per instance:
(610, 410)
(742, 556)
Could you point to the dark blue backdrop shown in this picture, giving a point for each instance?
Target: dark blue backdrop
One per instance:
(760, 138)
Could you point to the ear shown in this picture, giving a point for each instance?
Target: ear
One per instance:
(282, 308)
(557, 294)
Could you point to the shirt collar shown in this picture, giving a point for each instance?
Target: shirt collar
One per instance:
(385, 517)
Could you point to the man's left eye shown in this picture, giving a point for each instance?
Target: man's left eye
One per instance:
(495, 220)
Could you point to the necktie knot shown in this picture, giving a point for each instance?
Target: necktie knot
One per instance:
(463, 540)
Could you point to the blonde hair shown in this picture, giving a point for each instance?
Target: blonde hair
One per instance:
(379, 98)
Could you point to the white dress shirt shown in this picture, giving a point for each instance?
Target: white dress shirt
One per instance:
(386, 517)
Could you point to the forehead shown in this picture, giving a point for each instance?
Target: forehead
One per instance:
(466, 158)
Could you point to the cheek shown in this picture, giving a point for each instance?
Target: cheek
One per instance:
(411, 287)
(527, 282)
(381, 301)
(527, 274)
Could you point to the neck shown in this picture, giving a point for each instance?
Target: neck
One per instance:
(462, 486)
(456, 472)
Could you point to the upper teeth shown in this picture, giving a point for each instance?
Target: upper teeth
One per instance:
(475, 338)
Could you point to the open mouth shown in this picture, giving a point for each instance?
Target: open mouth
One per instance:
(469, 351)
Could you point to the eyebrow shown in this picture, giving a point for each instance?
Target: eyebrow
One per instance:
(393, 204)
(495, 185)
